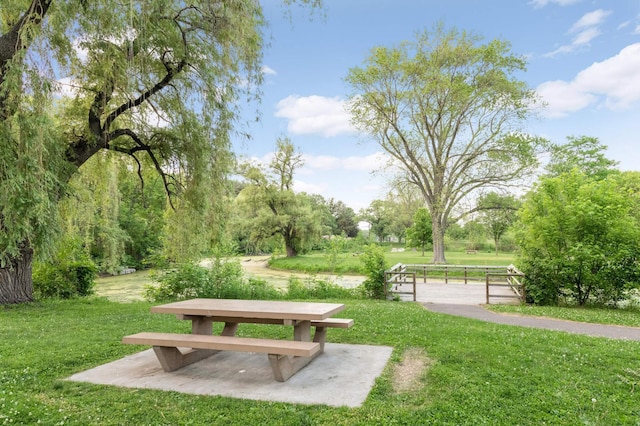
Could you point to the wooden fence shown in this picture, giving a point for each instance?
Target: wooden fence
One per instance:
(396, 277)
(512, 278)
(400, 275)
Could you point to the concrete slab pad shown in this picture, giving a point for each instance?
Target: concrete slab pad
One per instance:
(342, 376)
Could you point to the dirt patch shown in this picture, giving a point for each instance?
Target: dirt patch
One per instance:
(408, 372)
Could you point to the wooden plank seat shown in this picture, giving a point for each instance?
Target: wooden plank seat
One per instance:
(321, 326)
(333, 323)
(285, 356)
(319, 335)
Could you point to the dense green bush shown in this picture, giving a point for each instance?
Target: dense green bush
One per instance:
(374, 266)
(223, 280)
(64, 280)
(68, 273)
(579, 240)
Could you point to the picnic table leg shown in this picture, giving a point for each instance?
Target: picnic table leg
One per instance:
(229, 329)
(285, 366)
(320, 336)
(302, 331)
(172, 358)
(202, 325)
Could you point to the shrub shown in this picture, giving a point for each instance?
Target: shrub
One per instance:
(65, 280)
(316, 288)
(334, 248)
(579, 240)
(183, 282)
(374, 266)
(223, 280)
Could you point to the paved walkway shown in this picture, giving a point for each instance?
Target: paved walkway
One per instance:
(479, 313)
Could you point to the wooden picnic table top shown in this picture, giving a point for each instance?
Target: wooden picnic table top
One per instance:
(232, 308)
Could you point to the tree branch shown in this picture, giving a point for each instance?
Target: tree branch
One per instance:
(141, 146)
(171, 73)
(14, 41)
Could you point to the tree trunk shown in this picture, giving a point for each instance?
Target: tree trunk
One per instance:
(438, 240)
(16, 284)
(291, 251)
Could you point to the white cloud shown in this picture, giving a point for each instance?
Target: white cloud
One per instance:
(590, 19)
(65, 88)
(315, 114)
(268, 70)
(563, 98)
(324, 163)
(614, 81)
(562, 49)
(359, 163)
(584, 37)
(309, 188)
(542, 3)
(616, 78)
(625, 24)
(321, 162)
(586, 29)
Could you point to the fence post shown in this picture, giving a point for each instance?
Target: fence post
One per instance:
(385, 285)
(487, 286)
(414, 286)
(446, 275)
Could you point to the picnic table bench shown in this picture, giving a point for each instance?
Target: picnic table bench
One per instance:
(286, 357)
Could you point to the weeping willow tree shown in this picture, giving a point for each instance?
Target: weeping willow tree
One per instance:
(157, 81)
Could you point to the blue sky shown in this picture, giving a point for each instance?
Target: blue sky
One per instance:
(583, 60)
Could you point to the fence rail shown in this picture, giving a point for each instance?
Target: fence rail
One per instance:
(465, 273)
(400, 275)
(513, 278)
(396, 277)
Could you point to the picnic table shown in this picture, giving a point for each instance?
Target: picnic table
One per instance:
(286, 357)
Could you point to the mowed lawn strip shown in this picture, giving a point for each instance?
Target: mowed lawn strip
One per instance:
(476, 372)
(350, 263)
(627, 317)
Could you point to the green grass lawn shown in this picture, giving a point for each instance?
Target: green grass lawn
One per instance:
(480, 373)
(627, 317)
(350, 263)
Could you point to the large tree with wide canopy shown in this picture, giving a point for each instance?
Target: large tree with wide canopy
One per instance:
(155, 80)
(449, 110)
